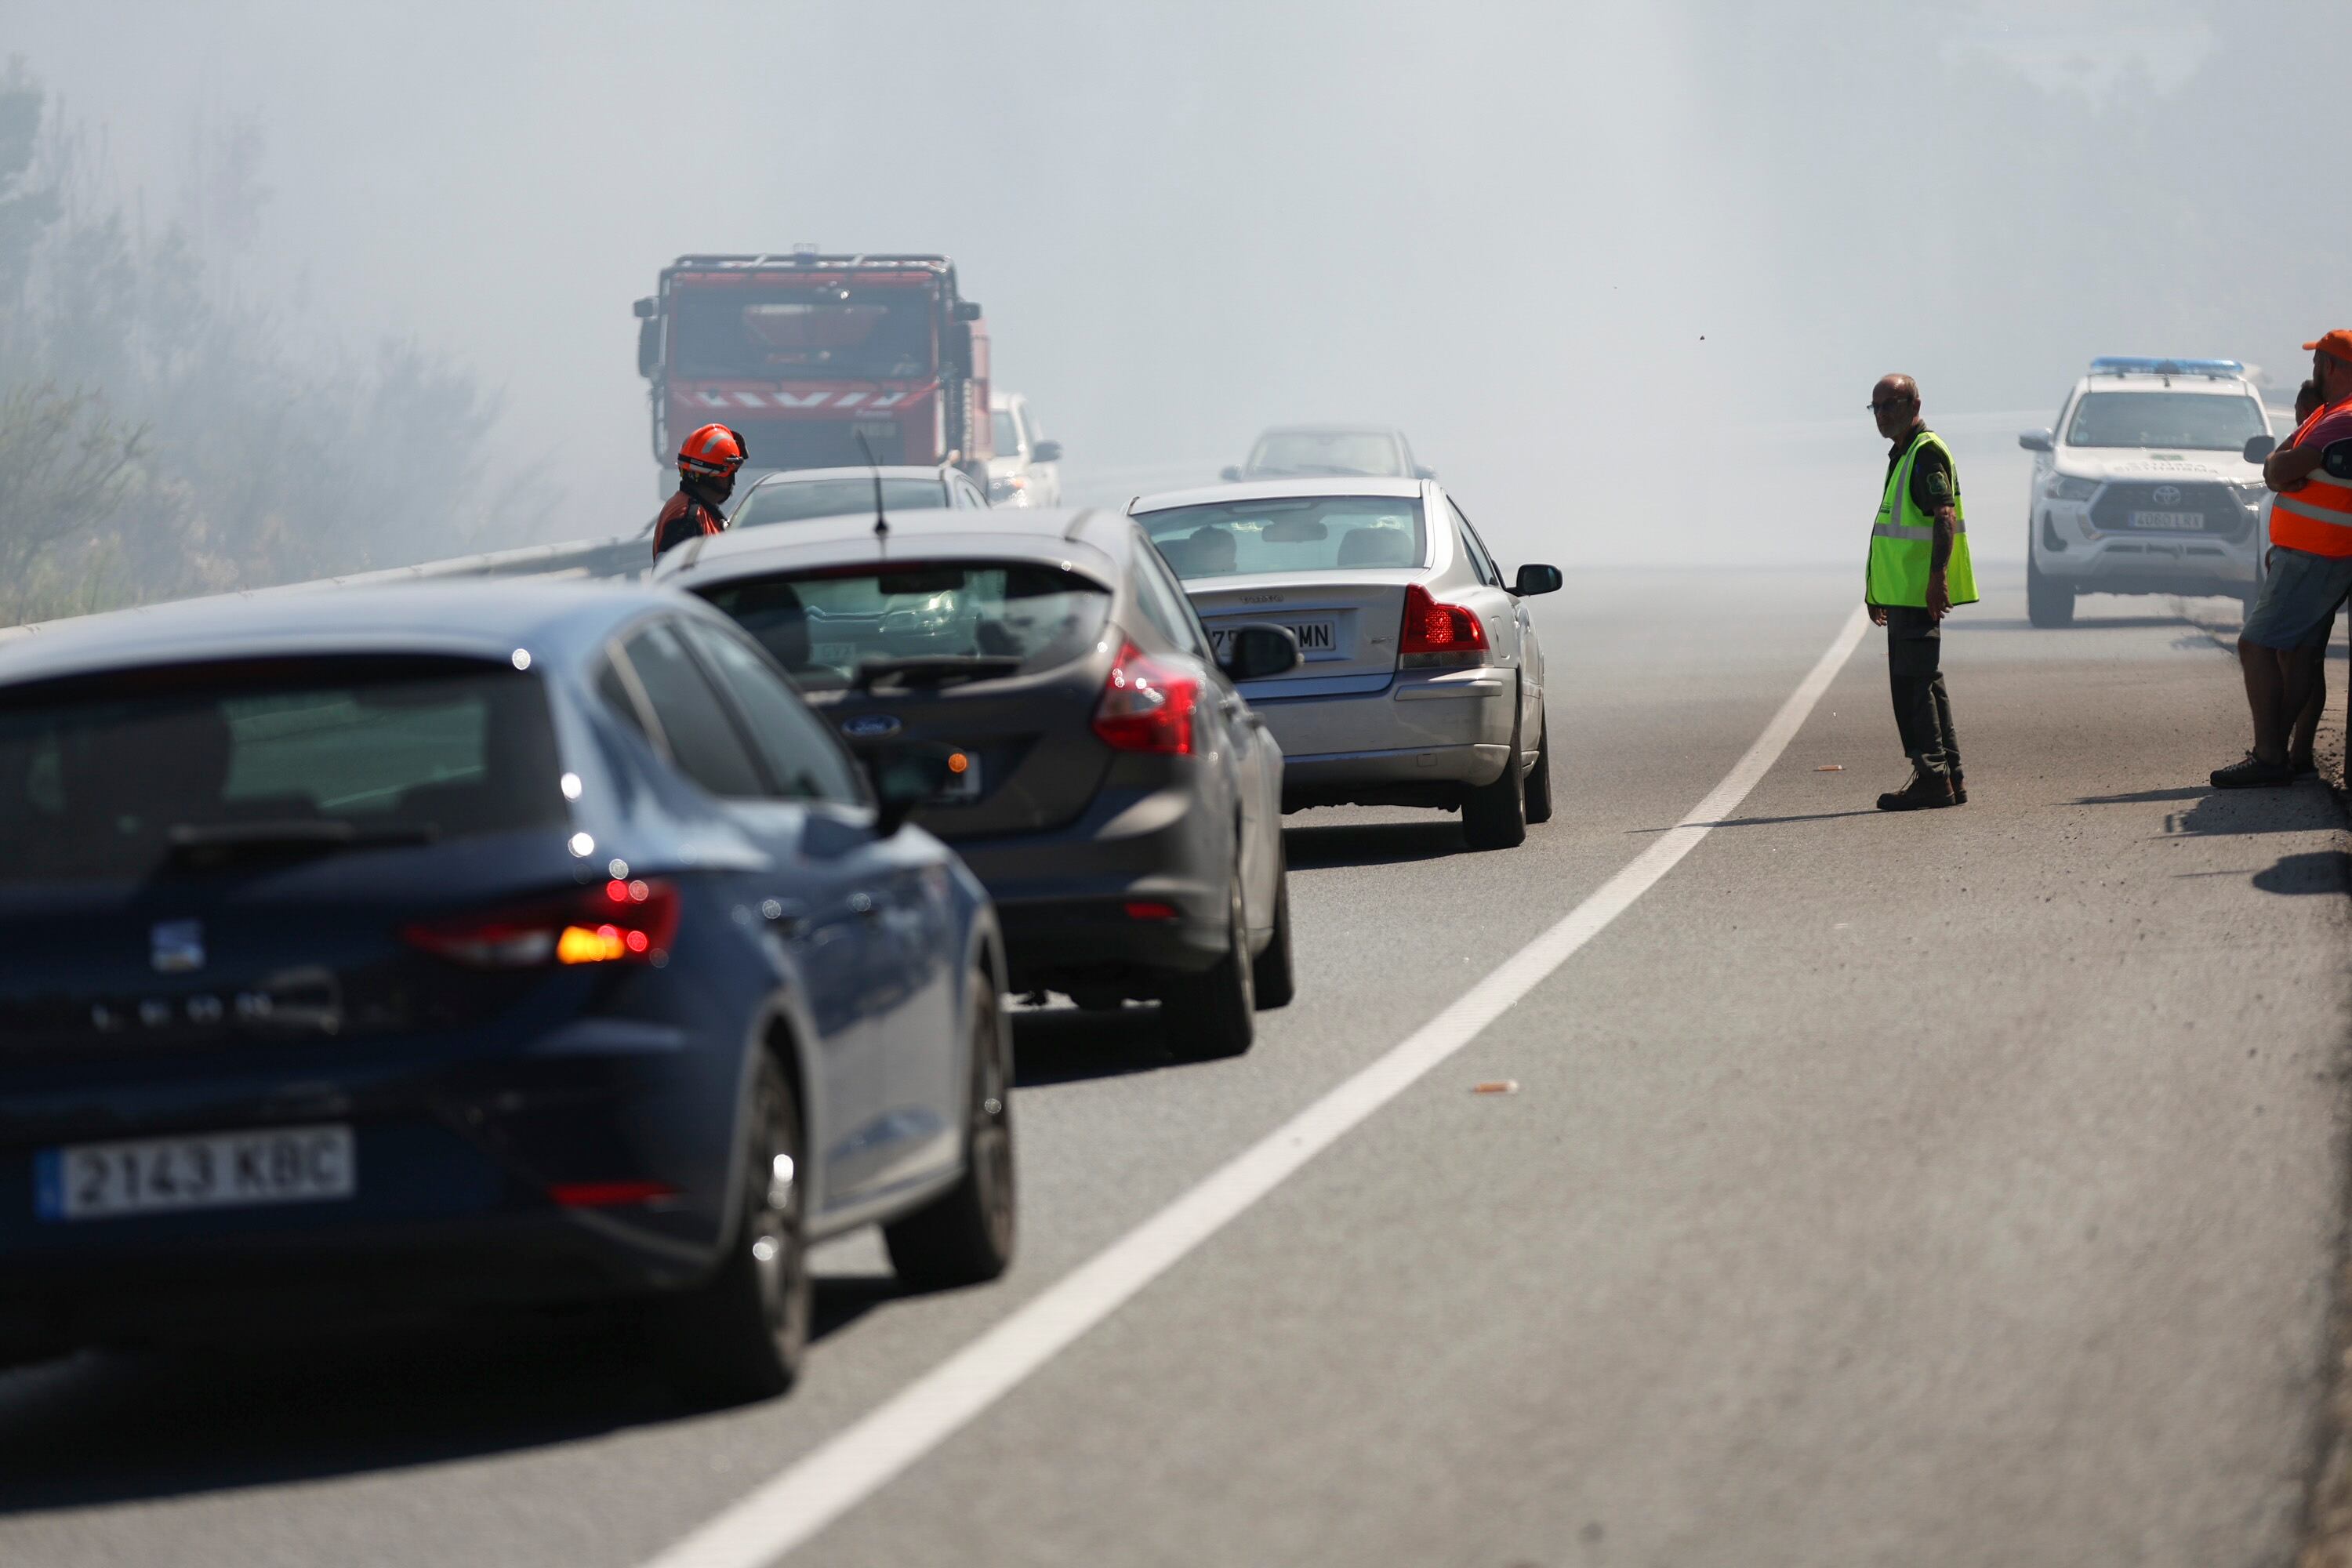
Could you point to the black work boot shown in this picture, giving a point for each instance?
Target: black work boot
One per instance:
(1926, 792)
(1959, 788)
(2253, 773)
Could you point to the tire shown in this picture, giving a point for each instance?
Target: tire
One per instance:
(1270, 975)
(1538, 785)
(1495, 815)
(965, 1235)
(1209, 1016)
(2048, 602)
(740, 1337)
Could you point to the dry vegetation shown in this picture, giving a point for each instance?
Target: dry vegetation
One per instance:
(162, 435)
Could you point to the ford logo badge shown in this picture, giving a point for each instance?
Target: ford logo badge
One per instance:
(870, 726)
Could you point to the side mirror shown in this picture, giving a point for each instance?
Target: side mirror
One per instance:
(1259, 650)
(967, 310)
(1230, 474)
(2035, 441)
(1045, 452)
(905, 776)
(644, 308)
(1536, 579)
(2336, 459)
(648, 347)
(2260, 447)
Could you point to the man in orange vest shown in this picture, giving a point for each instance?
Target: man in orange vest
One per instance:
(2310, 568)
(2301, 739)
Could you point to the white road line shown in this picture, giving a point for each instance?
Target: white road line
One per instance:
(860, 1461)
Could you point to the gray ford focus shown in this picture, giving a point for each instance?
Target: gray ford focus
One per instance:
(1112, 791)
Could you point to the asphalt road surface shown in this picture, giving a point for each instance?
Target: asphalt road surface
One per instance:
(1956, 1188)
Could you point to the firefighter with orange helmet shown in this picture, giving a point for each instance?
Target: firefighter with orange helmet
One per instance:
(707, 462)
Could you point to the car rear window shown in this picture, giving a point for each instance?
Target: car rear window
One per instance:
(796, 500)
(826, 627)
(1296, 533)
(109, 777)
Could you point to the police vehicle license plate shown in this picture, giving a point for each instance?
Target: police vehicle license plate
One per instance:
(1314, 636)
(2177, 522)
(207, 1171)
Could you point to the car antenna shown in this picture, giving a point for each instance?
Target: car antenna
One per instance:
(881, 524)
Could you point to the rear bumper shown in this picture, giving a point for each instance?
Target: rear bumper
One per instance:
(1433, 776)
(1056, 944)
(456, 1152)
(350, 1275)
(1419, 740)
(1062, 897)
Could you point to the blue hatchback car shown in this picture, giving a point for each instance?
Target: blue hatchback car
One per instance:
(444, 947)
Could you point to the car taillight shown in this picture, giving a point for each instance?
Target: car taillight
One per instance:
(1436, 635)
(612, 922)
(1146, 706)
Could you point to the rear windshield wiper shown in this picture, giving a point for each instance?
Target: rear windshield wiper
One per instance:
(939, 669)
(220, 844)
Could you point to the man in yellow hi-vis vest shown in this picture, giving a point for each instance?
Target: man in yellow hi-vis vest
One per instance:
(1918, 569)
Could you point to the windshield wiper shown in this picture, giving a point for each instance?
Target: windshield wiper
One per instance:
(224, 843)
(939, 669)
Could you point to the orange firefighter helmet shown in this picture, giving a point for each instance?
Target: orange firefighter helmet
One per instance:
(714, 450)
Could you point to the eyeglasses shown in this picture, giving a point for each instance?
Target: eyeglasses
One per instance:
(1884, 405)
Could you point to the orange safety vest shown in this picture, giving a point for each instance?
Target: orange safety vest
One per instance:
(2316, 519)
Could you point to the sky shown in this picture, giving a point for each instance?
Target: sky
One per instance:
(1624, 272)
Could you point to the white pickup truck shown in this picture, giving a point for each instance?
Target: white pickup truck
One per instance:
(2143, 486)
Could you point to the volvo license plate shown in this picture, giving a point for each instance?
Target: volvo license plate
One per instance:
(1314, 636)
(202, 1171)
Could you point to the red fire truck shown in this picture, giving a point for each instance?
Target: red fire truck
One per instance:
(803, 354)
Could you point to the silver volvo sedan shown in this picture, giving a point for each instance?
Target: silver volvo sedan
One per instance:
(1421, 681)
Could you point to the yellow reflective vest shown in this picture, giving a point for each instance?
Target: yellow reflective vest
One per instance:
(1902, 539)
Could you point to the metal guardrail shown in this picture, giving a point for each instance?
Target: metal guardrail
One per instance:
(585, 559)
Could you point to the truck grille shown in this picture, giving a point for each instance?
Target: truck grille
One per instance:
(2218, 504)
(819, 444)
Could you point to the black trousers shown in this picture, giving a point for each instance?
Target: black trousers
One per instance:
(1922, 708)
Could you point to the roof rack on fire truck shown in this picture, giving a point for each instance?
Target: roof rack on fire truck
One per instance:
(769, 258)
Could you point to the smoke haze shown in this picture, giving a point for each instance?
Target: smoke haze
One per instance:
(1624, 274)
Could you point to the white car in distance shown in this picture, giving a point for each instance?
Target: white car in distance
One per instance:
(1422, 679)
(1027, 467)
(1304, 451)
(796, 495)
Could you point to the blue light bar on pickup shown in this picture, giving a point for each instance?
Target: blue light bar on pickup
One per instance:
(2138, 364)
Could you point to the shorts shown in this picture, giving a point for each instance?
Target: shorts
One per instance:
(2299, 599)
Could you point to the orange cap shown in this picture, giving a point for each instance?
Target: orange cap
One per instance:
(2337, 342)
